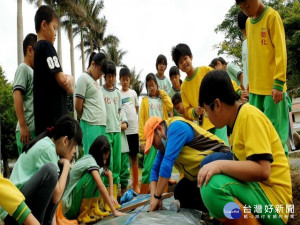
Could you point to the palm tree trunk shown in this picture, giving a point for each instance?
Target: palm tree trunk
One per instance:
(72, 63)
(91, 46)
(82, 52)
(59, 48)
(20, 32)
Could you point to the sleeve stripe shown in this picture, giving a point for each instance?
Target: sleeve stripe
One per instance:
(257, 157)
(19, 87)
(80, 96)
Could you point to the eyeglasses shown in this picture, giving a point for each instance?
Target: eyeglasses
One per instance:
(205, 112)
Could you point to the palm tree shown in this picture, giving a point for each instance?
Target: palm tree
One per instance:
(114, 54)
(135, 82)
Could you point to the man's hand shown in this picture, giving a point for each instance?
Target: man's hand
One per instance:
(277, 96)
(24, 134)
(155, 204)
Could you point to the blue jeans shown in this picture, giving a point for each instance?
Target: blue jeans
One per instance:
(216, 156)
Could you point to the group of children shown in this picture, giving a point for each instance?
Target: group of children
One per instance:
(112, 124)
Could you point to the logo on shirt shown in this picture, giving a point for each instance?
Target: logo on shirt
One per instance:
(263, 35)
(126, 100)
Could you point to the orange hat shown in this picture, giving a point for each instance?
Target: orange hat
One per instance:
(149, 128)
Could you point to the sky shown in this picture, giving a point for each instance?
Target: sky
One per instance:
(145, 28)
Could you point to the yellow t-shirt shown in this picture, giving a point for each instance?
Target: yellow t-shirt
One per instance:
(267, 53)
(190, 95)
(255, 138)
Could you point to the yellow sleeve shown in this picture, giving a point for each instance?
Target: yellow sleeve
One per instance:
(277, 37)
(142, 120)
(12, 200)
(236, 87)
(189, 109)
(167, 102)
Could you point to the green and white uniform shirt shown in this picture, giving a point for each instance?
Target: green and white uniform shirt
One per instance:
(163, 83)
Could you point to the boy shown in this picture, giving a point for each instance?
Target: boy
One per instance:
(130, 105)
(23, 96)
(177, 104)
(174, 75)
(162, 80)
(182, 57)
(258, 176)
(234, 72)
(50, 84)
(267, 64)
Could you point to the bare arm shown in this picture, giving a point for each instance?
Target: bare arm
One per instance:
(31, 220)
(24, 131)
(61, 184)
(137, 109)
(79, 106)
(243, 170)
(65, 81)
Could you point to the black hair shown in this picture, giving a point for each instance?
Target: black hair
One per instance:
(215, 61)
(30, 40)
(100, 147)
(242, 18)
(149, 77)
(161, 59)
(109, 68)
(180, 50)
(64, 126)
(124, 72)
(176, 99)
(217, 84)
(98, 58)
(173, 71)
(239, 1)
(44, 13)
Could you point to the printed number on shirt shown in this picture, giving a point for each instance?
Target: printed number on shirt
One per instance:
(53, 62)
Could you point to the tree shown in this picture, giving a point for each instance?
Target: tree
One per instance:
(135, 82)
(8, 121)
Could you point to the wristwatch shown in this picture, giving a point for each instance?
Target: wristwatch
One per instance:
(157, 197)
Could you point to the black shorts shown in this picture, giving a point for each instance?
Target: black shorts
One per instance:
(133, 142)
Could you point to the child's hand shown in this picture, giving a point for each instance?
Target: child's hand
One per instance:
(244, 96)
(206, 172)
(198, 110)
(64, 162)
(277, 95)
(142, 147)
(117, 213)
(114, 201)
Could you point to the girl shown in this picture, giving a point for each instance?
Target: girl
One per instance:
(156, 103)
(35, 173)
(112, 98)
(90, 102)
(81, 197)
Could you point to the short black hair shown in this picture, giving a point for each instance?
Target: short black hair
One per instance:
(213, 63)
(98, 58)
(242, 18)
(161, 59)
(217, 84)
(176, 99)
(239, 1)
(149, 77)
(100, 147)
(179, 51)
(124, 72)
(110, 68)
(30, 40)
(44, 13)
(173, 71)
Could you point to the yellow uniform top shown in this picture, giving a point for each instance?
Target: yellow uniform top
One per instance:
(267, 53)
(255, 138)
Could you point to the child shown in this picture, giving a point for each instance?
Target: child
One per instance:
(242, 18)
(35, 173)
(130, 105)
(156, 103)
(174, 75)
(259, 175)
(124, 173)
(267, 64)
(23, 96)
(162, 80)
(178, 105)
(182, 56)
(89, 103)
(50, 84)
(80, 200)
(13, 201)
(112, 99)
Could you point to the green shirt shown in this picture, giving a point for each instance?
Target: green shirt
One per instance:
(23, 81)
(85, 164)
(30, 162)
(94, 111)
(234, 71)
(113, 102)
(155, 107)
(163, 83)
